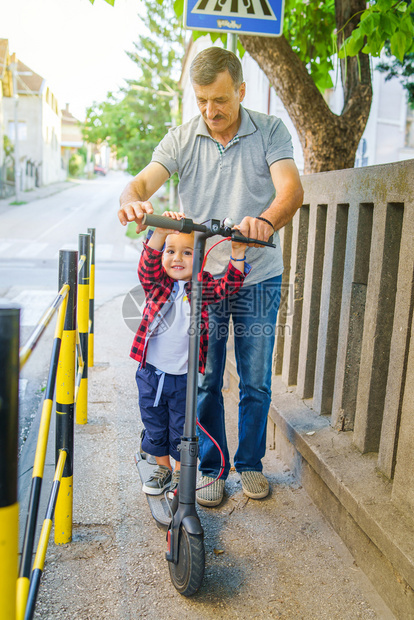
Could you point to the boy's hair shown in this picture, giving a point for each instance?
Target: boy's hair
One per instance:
(191, 234)
(214, 60)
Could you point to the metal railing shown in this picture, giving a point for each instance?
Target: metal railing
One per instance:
(73, 333)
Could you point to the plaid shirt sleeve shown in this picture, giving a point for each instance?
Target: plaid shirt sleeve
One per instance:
(150, 268)
(214, 290)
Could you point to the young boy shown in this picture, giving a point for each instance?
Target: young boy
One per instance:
(161, 342)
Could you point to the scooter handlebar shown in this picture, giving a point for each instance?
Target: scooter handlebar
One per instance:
(241, 239)
(184, 225)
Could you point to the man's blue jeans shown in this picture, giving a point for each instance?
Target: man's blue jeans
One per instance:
(253, 310)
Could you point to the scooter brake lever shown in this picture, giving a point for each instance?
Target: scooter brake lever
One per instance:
(242, 239)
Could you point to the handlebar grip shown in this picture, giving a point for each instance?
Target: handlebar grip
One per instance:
(248, 240)
(161, 221)
(184, 225)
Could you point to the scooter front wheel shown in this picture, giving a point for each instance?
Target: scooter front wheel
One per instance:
(187, 575)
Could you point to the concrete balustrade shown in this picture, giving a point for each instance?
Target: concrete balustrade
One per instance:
(342, 411)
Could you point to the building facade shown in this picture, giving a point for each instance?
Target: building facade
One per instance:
(38, 128)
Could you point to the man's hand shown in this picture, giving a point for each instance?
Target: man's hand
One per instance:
(255, 229)
(134, 212)
(134, 200)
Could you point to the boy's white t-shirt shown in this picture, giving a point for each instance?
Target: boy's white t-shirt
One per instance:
(168, 346)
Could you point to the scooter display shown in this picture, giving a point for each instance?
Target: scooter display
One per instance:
(185, 539)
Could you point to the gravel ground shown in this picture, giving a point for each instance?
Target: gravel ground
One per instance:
(273, 558)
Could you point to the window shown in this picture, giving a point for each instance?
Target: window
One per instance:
(21, 132)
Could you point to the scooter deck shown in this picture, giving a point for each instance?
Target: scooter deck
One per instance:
(157, 503)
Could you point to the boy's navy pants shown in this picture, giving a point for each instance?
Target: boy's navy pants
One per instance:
(162, 410)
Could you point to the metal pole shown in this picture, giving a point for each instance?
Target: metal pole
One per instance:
(91, 231)
(23, 582)
(9, 415)
(39, 560)
(232, 42)
(65, 397)
(83, 328)
(174, 117)
(17, 171)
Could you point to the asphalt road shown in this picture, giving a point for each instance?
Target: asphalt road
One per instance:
(31, 236)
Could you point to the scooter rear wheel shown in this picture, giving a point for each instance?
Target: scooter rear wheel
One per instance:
(187, 575)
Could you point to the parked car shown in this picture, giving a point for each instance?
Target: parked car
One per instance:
(99, 170)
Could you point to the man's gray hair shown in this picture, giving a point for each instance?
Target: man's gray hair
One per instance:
(214, 60)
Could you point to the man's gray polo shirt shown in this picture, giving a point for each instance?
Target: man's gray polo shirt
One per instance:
(232, 184)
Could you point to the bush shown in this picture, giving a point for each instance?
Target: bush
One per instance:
(76, 165)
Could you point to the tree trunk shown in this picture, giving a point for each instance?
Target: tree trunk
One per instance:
(329, 141)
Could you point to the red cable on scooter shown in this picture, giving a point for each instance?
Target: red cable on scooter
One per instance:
(200, 273)
(221, 457)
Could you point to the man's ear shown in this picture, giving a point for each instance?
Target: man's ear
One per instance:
(242, 91)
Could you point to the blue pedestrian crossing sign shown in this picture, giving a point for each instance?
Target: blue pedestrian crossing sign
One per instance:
(259, 17)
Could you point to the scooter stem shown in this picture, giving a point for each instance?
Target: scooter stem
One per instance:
(183, 506)
(194, 339)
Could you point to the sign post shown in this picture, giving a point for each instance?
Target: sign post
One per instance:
(255, 17)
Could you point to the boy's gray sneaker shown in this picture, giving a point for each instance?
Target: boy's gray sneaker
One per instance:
(254, 484)
(175, 479)
(211, 495)
(158, 481)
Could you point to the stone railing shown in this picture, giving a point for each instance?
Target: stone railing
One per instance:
(343, 393)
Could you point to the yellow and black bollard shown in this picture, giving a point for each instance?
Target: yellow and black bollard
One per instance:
(9, 415)
(83, 327)
(39, 560)
(65, 398)
(60, 302)
(91, 231)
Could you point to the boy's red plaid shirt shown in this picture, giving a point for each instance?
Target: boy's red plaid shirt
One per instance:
(158, 287)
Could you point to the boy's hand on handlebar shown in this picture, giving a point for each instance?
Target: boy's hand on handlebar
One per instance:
(174, 215)
(160, 234)
(255, 229)
(134, 212)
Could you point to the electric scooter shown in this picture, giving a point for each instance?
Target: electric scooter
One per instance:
(185, 544)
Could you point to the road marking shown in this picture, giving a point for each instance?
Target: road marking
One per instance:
(32, 250)
(4, 246)
(33, 304)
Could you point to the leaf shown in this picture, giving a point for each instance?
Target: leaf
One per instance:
(370, 23)
(179, 8)
(218, 551)
(402, 7)
(354, 45)
(398, 45)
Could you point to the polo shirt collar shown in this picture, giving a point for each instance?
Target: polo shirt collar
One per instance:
(246, 128)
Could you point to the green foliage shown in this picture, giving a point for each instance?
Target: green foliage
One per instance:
(382, 21)
(8, 147)
(111, 2)
(134, 120)
(76, 165)
(308, 26)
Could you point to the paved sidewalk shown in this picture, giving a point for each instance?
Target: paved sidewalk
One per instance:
(274, 558)
(37, 194)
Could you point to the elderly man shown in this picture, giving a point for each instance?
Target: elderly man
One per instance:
(235, 163)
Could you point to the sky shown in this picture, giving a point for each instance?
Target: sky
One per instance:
(79, 48)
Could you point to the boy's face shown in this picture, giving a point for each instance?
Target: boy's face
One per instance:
(177, 258)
